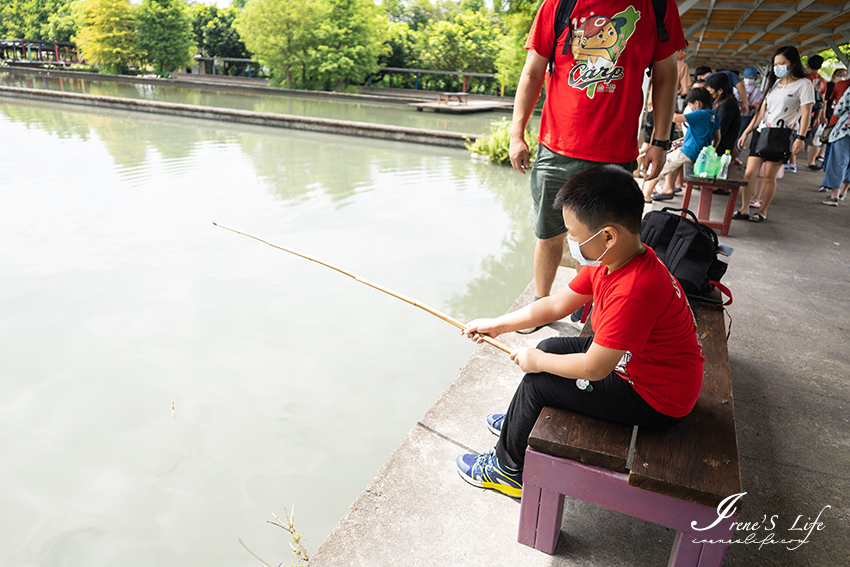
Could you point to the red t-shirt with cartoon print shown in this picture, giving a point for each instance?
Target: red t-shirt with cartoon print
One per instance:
(595, 97)
(641, 309)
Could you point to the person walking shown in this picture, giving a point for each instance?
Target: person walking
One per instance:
(788, 102)
(754, 96)
(594, 98)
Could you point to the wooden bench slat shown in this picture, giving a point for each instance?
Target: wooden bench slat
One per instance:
(697, 460)
(581, 438)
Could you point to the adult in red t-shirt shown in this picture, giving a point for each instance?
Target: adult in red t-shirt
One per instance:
(593, 103)
(813, 65)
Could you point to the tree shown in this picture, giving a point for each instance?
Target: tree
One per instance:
(512, 55)
(164, 34)
(214, 31)
(279, 34)
(348, 42)
(314, 44)
(470, 42)
(32, 19)
(106, 35)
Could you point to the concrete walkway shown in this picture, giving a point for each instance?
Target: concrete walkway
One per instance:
(790, 362)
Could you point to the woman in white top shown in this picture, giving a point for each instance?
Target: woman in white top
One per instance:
(788, 101)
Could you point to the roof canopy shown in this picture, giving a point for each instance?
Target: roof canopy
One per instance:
(735, 35)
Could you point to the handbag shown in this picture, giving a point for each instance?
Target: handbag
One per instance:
(774, 144)
(824, 137)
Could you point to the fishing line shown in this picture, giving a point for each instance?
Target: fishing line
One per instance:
(443, 316)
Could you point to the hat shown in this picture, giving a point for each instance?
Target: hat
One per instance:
(751, 73)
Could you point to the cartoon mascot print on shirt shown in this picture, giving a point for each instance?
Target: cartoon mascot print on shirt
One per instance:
(597, 43)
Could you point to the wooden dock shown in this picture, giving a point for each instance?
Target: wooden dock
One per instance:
(461, 108)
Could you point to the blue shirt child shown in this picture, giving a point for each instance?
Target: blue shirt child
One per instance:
(702, 126)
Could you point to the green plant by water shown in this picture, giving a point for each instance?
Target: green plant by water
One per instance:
(497, 144)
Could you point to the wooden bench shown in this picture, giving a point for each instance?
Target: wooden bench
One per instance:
(674, 477)
(462, 98)
(734, 181)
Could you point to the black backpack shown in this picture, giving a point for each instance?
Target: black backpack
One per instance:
(565, 12)
(687, 247)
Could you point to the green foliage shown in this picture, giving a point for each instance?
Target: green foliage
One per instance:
(214, 33)
(512, 55)
(348, 43)
(469, 42)
(496, 145)
(403, 49)
(32, 19)
(279, 34)
(164, 34)
(106, 35)
(315, 44)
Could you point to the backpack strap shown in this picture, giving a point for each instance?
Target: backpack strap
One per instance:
(562, 22)
(660, 9)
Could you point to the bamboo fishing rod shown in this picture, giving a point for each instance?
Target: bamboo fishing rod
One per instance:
(489, 340)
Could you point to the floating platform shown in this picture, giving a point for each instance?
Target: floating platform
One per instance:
(462, 108)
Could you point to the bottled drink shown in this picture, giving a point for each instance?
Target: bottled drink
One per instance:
(699, 164)
(712, 162)
(724, 165)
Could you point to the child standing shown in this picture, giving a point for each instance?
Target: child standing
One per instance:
(644, 362)
(703, 130)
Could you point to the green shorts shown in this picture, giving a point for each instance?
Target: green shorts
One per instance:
(549, 173)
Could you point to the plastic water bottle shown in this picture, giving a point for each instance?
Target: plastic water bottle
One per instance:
(724, 165)
(712, 162)
(699, 164)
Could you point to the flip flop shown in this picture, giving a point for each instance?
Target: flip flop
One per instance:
(757, 218)
(740, 216)
(661, 196)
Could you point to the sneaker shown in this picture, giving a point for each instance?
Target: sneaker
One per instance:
(494, 422)
(821, 189)
(791, 168)
(841, 196)
(831, 201)
(485, 471)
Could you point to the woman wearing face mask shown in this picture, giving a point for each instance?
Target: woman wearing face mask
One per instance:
(789, 99)
(728, 113)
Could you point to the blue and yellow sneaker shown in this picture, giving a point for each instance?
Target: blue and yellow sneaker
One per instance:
(485, 471)
(494, 423)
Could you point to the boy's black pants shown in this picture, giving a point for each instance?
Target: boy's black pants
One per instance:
(612, 399)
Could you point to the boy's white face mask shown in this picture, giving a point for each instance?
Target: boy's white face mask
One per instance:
(575, 251)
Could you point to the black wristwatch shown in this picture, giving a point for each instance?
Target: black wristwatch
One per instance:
(666, 144)
(799, 137)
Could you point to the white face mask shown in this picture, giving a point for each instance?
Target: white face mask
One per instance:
(749, 81)
(575, 251)
(780, 70)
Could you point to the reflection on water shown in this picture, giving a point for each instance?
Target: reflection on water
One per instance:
(291, 383)
(379, 113)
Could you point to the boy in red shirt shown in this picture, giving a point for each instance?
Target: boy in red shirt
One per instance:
(643, 366)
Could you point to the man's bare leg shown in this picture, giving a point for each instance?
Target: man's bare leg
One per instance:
(547, 258)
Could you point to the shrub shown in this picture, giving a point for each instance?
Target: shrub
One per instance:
(496, 145)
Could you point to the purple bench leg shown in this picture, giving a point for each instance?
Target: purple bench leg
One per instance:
(547, 479)
(540, 518)
(686, 553)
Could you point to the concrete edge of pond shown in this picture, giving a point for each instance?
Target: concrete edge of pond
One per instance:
(348, 128)
(217, 85)
(418, 511)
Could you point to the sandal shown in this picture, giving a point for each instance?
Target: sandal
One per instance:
(755, 204)
(661, 196)
(740, 216)
(757, 218)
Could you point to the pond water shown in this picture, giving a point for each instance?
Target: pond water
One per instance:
(374, 112)
(290, 383)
